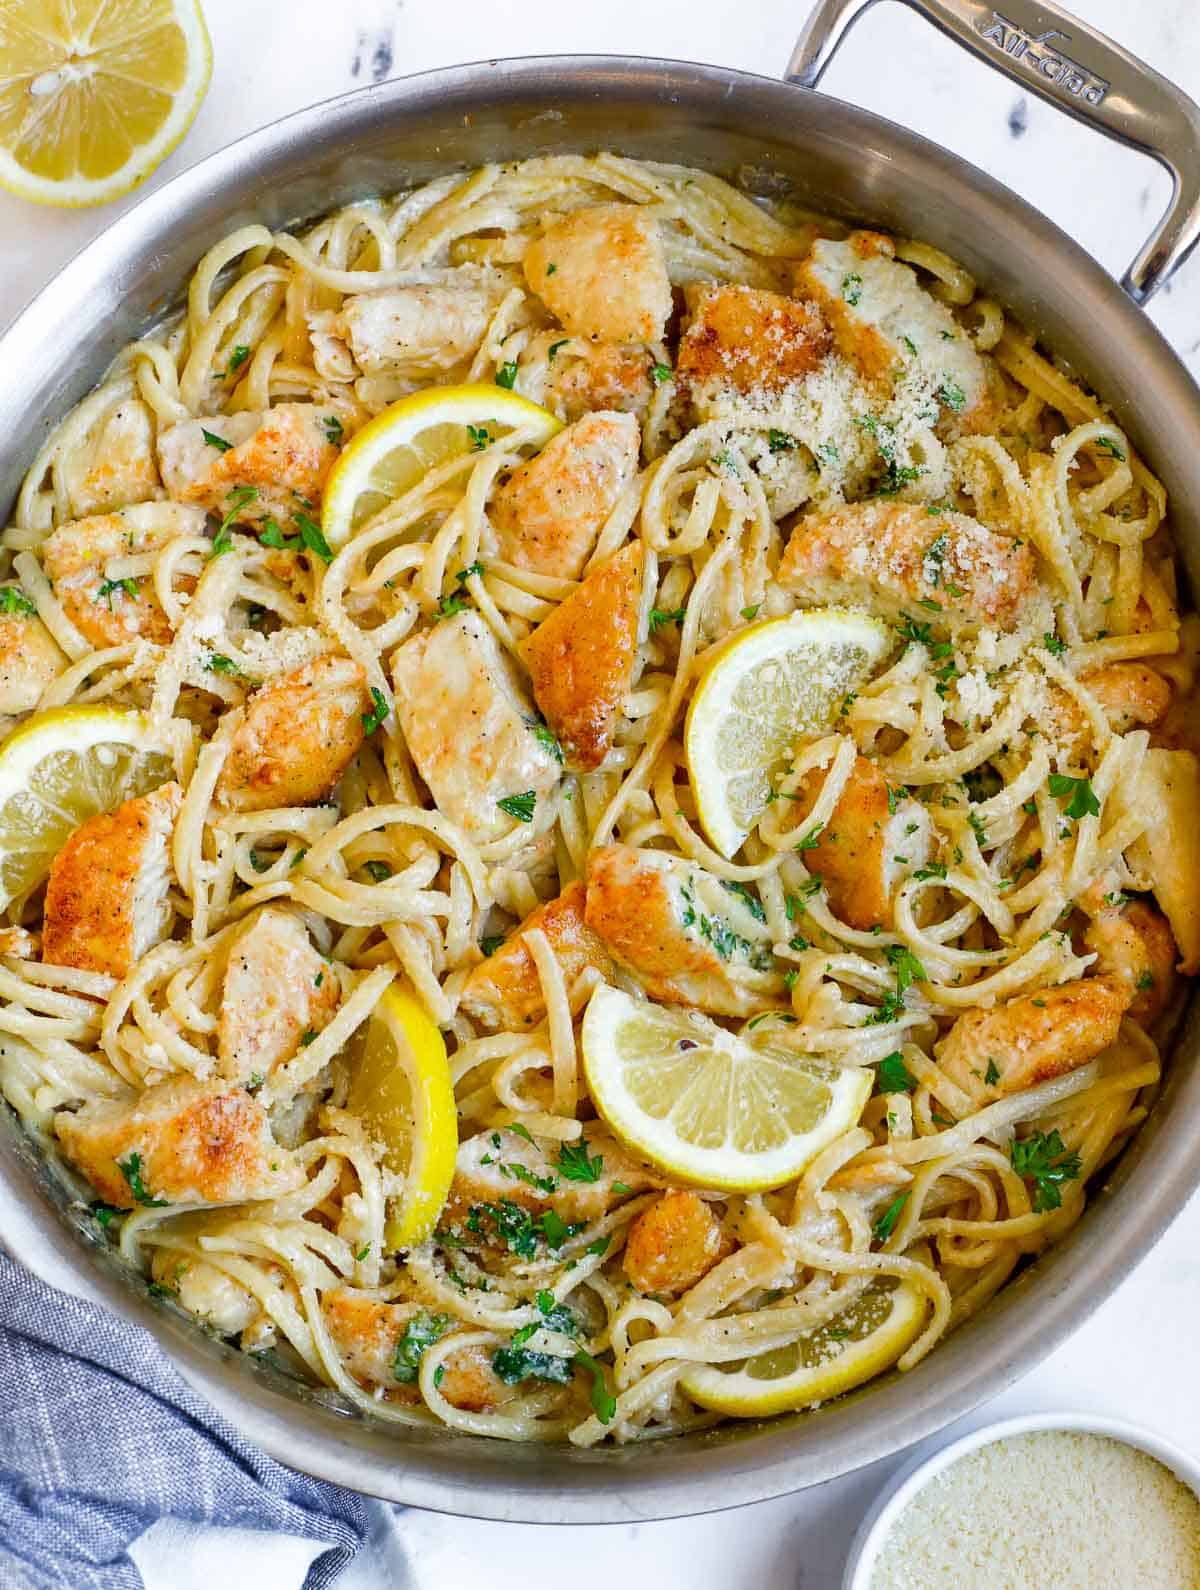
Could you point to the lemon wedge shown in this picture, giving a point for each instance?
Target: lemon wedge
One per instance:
(57, 770)
(96, 93)
(400, 1086)
(764, 689)
(399, 447)
(852, 1348)
(704, 1104)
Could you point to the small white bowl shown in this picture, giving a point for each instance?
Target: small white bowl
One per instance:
(905, 1485)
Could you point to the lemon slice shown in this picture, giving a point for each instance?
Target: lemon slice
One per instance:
(767, 687)
(399, 447)
(854, 1347)
(57, 770)
(401, 1088)
(705, 1105)
(96, 93)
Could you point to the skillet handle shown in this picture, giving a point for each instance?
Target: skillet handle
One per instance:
(1050, 53)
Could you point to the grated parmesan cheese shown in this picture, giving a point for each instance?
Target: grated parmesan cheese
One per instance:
(1058, 1508)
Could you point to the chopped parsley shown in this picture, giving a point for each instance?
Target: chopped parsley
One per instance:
(978, 827)
(1053, 645)
(852, 288)
(519, 806)
(333, 429)
(576, 1164)
(260, 863)
(604, 1404)
(379, 870)
(935, 869)
(551, 268)
(555, 346)
(514, 1364)
(748, 898)
(104, 1214)
(907, 967)
(14, 600)
(1107, 445)
(1043, 1159)
(421, 1332)
(237, 358)
(219, 664)
(449, 605)
(480, 437)
(886, 1224)
(660, 616)
(309, 1035)
(751, 613)
(491, 942)
(549, 740)
(811, 839)
(781, 442)
(661, 373)
(105, 592)
(1083, 802)
(379, 711)
(235, 502)
(506, 375)
(131, 1169)
(222, 542)
(992, 1075)
(893, 1076)
(952, 395)
(1145, 981)
(311, 537)
(213, 440)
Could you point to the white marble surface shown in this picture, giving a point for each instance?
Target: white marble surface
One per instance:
(1137, 1357)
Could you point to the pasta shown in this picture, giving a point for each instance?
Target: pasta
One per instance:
(765, 413)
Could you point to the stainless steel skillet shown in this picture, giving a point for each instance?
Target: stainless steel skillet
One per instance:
(770, 136)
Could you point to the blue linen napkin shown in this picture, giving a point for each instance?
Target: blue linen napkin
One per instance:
(100, 1436)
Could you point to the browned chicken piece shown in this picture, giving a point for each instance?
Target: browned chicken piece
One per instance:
(1034, 1037)
(106, 897)
(890, 328)
(205, 1291)
(109, 612)
(1133, 943)
(581, 659)
(368, 1332)
(469, 724)
(877, 554)
(29, 655)
(748, 339)
(674, 1243)
(1169, 850)
(276, 989)
(1132, 694)
(184, 1142)
(583, 377)
(119, 468)
(299, 735)
(486, 1172)
(282, 455)
(865, 849)
(602, 274)
(685, 937)
(425, 327)
(549, 512)
(504, 991)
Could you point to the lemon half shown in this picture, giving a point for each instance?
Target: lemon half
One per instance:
(95, 94)
(766, 688)
(705, 1105)
(57, 770)
(852, 1348)
(400, 1086)
(399, 447)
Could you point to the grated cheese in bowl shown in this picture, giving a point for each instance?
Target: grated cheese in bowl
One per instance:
(1072, 1509)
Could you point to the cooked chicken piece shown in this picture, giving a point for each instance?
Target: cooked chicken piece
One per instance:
(119, 468)
(182, 1142)
(422, 328)
(208, 1293)
(602, 274)
(299, 735)
(485, 1172)
(673, 1244)
(1168, 853)
(893, 331)
(282, 455)
(504, 991)
(549, 512)
(367, 1334)
(469, 725)
(582, 377)
(1133, 943)
(685, 937)
(106, 897)
(110, 612)
(276, 989)
(1132, 694)
(866, 848)
(890, 555)
(581, 659)
(1033, 1037)
(29, 656)
(750, 340)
